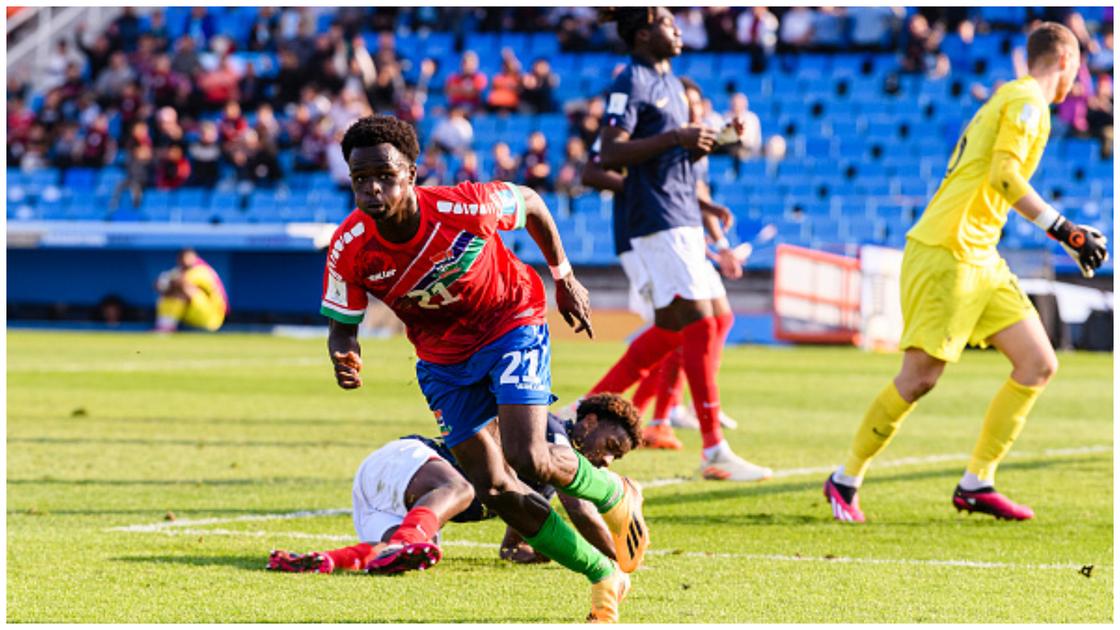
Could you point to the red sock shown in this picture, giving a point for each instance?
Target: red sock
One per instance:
(419, 525)
(352, 558)
(643, 353)
(701, 363)
(670, 384)
(725, 322)
(648, 387)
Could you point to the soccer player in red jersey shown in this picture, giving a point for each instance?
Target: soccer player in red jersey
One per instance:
(476, 316)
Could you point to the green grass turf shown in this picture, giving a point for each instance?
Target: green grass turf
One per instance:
(109, 430)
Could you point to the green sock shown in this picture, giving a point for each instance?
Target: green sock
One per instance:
(557, 540)
(600, 487)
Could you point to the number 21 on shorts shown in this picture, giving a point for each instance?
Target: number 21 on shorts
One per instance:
(523, 366)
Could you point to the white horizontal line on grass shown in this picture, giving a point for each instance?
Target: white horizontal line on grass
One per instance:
(247, 518)
(655, 483)
(902, 461)
(155, 366)
(974, 564)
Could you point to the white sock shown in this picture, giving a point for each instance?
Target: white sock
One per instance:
(711, 451)
(845, 480)
(165, 323)
(972, 483)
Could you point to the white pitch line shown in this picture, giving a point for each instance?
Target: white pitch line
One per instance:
(655, 483)
(902, 461)
(248, 518)
(149, 366)
(934, 562)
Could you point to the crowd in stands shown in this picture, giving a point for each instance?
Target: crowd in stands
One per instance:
(175, 107)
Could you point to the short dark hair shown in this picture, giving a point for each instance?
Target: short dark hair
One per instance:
(630, 20)
(1046, 40)
(613, 408)
(374, 130)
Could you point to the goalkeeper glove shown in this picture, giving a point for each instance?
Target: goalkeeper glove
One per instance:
(1084, 244)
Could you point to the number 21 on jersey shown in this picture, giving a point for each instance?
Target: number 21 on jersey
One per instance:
(425, 297)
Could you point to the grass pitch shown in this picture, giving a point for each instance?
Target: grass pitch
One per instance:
(222, 433)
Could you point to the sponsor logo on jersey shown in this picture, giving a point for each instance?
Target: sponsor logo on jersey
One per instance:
(340, 243)
(472, 209)
(381, 275)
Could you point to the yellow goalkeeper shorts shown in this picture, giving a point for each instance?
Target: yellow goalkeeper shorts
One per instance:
(206, 312)
(947, 304)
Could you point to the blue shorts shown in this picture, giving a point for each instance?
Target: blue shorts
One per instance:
(511, 370)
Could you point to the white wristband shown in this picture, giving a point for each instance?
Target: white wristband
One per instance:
(1047, 217)
(561, 270)
(723, 244)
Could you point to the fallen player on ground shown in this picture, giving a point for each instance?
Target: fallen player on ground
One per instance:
(408, 489)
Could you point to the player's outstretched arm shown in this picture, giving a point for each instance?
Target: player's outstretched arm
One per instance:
(346, 354)
(620, 150)
(571, 297)
(1085, 244)
(588, 523)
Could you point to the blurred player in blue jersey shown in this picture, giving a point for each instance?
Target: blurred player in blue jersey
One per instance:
(647, 130)
(666, 381)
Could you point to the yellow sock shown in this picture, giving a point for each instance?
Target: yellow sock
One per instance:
(1005, 419)
(883, 418)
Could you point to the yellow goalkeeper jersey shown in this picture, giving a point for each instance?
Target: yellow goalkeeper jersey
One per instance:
(967, 214)
(205, 278)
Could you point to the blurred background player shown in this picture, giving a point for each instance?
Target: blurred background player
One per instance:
(192, 294)
(476, 316)
(666, 380)
(647, 130)
(407, 490)
(956, 288)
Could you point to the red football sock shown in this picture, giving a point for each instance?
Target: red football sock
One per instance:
(352, 558)
(670, 384)
(701, 363)
(643, 353)
(647, 389)
(419, 525)
(725, 322)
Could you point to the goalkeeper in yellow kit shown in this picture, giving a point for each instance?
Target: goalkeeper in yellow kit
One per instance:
(957, 290)
(192, 294)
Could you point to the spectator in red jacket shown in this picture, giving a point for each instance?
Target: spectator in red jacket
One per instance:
(505, 89)
(464, 88)
(173, 169)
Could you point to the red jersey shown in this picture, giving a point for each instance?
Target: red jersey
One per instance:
(454, 285)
